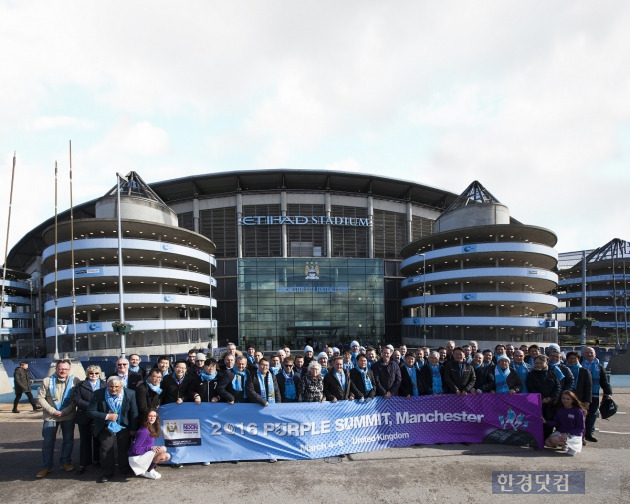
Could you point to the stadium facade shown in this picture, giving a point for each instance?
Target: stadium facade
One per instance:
(276, 257)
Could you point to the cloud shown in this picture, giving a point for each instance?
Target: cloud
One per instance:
(52, 122)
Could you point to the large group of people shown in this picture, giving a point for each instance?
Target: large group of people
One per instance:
(120, 414)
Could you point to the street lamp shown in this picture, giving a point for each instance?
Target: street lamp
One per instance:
(121, 307)
(424, 297)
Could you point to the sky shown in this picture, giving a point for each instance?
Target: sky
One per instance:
(532, 99)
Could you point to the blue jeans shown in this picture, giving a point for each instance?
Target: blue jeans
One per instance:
(49, 433)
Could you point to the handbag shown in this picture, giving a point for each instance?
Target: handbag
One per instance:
(607, 408)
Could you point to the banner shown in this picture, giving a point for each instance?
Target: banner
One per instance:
(220, 432)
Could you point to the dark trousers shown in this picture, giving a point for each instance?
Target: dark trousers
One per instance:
(89, 446)
(591, 416)
(109, 441)
(29, 395)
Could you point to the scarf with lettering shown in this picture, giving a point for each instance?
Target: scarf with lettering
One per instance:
(437, 379)
(414, 380)
(239, 381)
(268, 395)
(500, 380)
(60, 403)
(593, 368)
(522, 370)
(575, 371)
(115, 405)
(289, 386)
(367, 383)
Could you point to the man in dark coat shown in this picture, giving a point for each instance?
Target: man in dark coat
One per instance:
(544, 381)
(600, 384)
(458, 377)
(269, 392)
(337, 383)
(582, 380)
(177, 386)
(115, 417)
(233, 382)
(23, 386)
(387, 374)
(149, 393)
(363, 378)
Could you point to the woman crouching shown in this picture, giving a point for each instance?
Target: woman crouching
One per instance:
(569, 424)
(143, 456)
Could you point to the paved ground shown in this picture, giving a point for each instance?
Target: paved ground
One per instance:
(445, 474)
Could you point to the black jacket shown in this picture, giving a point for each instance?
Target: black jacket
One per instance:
(98, 410)
(545, 383)
(82, 395)
(453, 382)
(226, 390)
(387, 377)
(255, 394)
(171, 391)
(206, 389)
(426, 378)
(146, 399)
(283, 387)
(357, 379)
(332, 387)
(406, 386)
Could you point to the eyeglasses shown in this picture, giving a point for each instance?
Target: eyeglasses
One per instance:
(122, 364)
(288, 365)
(94, 374)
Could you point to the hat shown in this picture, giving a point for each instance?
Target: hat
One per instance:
(200, 356)
(354, 343)
(391, 347)
(362, 349)
(336, 350)
(553, 346)
(322, 354)
(308, 348)
(502, 357)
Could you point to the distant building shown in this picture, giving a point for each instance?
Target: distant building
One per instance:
(593, 291)
(481, 275)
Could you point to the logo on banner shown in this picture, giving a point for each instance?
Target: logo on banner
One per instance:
(182, 432)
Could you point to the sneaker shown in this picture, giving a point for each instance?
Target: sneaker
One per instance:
(14, 411)
(205, 463)
(43, 473)
(273, 460)
(177, 466)
(68, 467)
(591, 439)
(571, 452)
(149, 475)
(156, 475)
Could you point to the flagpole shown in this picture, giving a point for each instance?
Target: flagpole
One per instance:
(6, 243)
(74, 298)
(56, 297)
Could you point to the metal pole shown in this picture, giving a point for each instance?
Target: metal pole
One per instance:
(56, 297)
(6, 246)
(583, 330)
(121, 306)
(424, 298)
(74, 297)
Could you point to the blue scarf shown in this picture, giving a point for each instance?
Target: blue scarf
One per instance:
(95, 385)
(324, 371)
(52, 388)
(348, 366)
(414, 380)
(155, 388)
(500, 380)
(593, 368)
(239, 381)
(275, 370)
(135, 369)
(575, 371)
(418, 365)
(341, 378)
(366, 379)
(522, 370)
(115, 405)
(267, 395)
(179, 382)
(251, 359)
(289, 386)
(208, 377)
(437, 379)
(557, 370)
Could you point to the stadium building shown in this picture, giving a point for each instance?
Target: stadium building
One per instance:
(275, 257)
